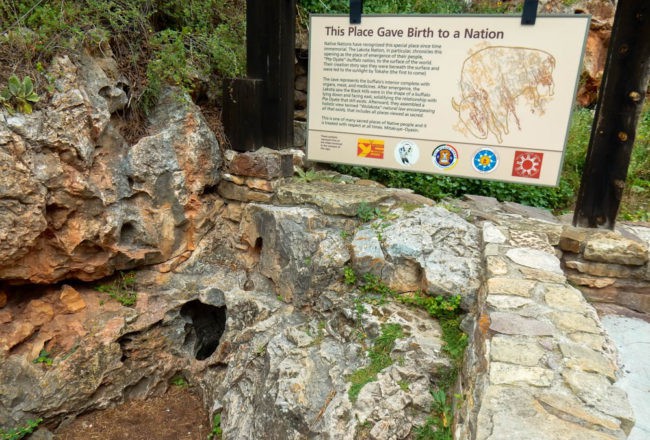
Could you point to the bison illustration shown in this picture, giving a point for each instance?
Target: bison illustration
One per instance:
(494, 80)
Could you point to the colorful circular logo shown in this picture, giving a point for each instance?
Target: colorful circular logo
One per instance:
(445, 157)
(407, 153)
(485, 160)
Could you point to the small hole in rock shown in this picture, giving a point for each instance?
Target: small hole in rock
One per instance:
(128, 233)
(207, 325)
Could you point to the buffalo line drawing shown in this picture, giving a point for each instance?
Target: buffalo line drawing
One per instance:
(493, 82)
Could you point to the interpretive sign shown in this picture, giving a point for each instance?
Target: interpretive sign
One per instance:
(471, 96)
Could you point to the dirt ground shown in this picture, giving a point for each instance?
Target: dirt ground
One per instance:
(177, 415)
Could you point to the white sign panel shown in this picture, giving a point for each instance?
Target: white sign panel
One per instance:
(471, 96)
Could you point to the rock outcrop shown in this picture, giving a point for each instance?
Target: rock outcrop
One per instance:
(77, 201)
(262, 322)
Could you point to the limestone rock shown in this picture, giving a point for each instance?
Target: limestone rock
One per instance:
(584, 359)
(575, 322)
(79, 201)
(503, 374)
(613, 248)
(71, 299)
(510, 286)
(491, 234)
(512, 413)
(535, 259)
(331, 198)
(513, 324)
(443, 247)
(597, 391)
(301, 251)
(514, 350)
(232, 191)
(604, 269)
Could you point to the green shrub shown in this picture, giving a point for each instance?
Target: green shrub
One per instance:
(44, 357)
(122, 289)
(216, 432)
(386, 6)
(20, 432)
(190, 44)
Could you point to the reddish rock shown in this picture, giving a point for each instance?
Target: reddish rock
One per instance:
(264, 163)
(14, 333)
(71, 299)
(78, 201)
(602, 18)
(3, 299)
(39, 312)
(5, 317)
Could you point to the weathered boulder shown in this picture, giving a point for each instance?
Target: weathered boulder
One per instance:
(76, 201)
(301, 251)
(428, 248)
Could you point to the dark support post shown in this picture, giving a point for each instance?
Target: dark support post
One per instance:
(242, 113)
(258, 110)
(271, 33)
(619, 106)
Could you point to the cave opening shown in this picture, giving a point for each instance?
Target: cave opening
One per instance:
(207, 324)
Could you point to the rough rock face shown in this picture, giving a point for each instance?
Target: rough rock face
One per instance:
(76, 201)
(597, 44)
(275, 367)
(428, 248)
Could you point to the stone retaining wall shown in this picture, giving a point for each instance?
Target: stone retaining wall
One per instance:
(542, 366)
(609, 267)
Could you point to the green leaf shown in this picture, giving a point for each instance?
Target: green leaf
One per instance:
(25, 107)
(28, 86)
(14, 85)
(33, 97)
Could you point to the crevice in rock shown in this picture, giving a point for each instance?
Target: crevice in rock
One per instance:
(128, 234)
(125, 342)
(210, 189)
(258, 245)
(207, 324)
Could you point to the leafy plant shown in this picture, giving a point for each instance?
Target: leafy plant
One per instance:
(447, 311)
(366, 212)
(379, 356)
(386, 6)
(374, 289)
(179, 381)
(349, 276)
(306, 175)
(44, 358)
(20, 432)
(19, 95)
(438, 424)
(437, 306)
(121, 289)
(216, 432)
